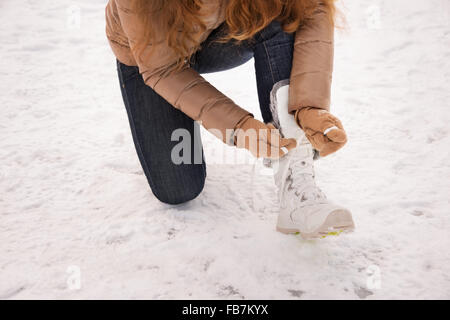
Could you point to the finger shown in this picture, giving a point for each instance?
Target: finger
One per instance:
(330, 129)
(326, 123)
(267, 150)
(282, 152)
(278, 153)
(289, 144)
(317, 120)
(321, 120)
(286, 145)
(337, 135)
(318, 140)
(273, 135)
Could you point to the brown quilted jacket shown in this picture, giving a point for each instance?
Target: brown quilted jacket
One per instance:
(191, 93)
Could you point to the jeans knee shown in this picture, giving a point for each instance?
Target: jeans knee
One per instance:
(179, 196)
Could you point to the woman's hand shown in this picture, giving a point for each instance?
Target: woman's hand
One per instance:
(323, 130)
(262, 140)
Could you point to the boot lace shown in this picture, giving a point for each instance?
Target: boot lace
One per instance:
(301, 178)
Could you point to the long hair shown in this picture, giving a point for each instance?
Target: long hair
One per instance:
(175, 21)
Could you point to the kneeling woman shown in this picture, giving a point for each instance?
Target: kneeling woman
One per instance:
(162, 47)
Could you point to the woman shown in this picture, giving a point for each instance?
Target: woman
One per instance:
(162, 47)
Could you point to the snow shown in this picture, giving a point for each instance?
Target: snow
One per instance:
(75, 205)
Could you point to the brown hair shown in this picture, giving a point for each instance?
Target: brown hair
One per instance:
(175, 21)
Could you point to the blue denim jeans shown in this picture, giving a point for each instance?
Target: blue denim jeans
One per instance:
(152, 119)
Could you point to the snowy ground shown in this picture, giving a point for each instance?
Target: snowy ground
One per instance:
(74, 201)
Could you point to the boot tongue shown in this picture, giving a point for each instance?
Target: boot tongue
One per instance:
(302, 173)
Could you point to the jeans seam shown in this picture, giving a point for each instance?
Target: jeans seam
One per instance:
(268, 57)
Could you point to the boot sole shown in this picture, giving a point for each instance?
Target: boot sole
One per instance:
(336, 231)
(334, 225)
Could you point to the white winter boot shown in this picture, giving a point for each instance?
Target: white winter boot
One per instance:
(304, 208)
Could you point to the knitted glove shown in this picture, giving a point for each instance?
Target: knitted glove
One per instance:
(323, 130)
(262, 140)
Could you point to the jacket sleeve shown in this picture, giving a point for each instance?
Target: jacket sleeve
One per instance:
(186, 90)
(312, 64)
